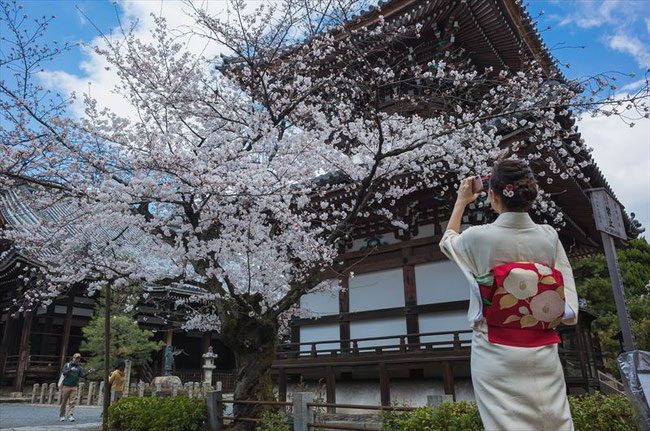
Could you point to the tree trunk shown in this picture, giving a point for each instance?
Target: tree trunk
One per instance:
(254, 343)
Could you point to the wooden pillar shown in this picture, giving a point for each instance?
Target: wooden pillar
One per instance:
(384, 384)
(582, 355)
(23, 352)
(282, 384)
(330, 382)
(7, 339)
(49, 311)
(410, 299)
(9, 331)
(344, 307)
(448, 379)
(67, 326)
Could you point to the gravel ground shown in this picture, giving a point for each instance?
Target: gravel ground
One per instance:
(34, 417)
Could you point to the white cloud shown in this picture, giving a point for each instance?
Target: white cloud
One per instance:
(590, 14)
(99, 82)
(633, 86)
(623, 155)
(631, 45)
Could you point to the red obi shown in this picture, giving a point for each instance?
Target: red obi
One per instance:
(523, 303)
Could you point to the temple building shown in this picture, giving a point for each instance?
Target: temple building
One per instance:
(398, 330)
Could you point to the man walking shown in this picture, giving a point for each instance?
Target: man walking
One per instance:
(71, 373)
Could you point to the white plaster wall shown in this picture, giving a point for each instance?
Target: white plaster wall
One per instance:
(440, 281)
(404, 391)
(378, 328)
(444, 321)
(377, 290)
(321, 303)
(425, 231)
(322, 332)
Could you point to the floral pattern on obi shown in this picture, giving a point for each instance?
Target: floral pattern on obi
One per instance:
(523, 302)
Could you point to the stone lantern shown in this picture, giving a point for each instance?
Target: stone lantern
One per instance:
(208, 366)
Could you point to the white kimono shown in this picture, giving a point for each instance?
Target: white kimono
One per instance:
(516, 388)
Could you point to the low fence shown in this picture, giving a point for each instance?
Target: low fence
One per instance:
(306, 414)
(92, 393)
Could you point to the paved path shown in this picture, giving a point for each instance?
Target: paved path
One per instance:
(34, 417)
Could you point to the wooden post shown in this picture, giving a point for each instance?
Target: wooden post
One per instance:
(23, 352)
(48, 324)
(67, 326)
(7, 339)
(410, 300)
(608, 216)
(107, 348)
(384, 384)
(344, 307)
(448, 379)
(330, 382)
(282, 384)
(582, 358)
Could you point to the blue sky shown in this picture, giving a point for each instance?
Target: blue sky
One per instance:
(593, 36)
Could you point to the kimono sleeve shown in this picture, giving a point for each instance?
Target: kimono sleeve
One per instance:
(570, 293)
(454, 246)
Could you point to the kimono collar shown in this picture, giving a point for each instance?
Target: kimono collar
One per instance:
(514, 220)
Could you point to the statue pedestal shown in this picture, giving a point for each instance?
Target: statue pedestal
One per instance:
(166, 384)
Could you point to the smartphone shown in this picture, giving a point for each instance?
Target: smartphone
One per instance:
(477, 184)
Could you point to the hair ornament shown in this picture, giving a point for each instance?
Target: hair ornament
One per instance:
(508, 191)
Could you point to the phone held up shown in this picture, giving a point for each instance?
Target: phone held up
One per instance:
(479, 184)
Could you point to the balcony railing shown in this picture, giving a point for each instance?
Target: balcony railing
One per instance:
(47, 364)
(407, 343)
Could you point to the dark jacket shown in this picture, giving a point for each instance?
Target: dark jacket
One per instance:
(71, 376)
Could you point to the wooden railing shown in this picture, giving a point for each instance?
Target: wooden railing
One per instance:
(43, 363)
(450, 340)
(305, 414)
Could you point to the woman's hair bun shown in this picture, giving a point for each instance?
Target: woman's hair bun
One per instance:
(515, 183)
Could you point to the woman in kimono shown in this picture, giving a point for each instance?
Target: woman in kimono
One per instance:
(522, 288)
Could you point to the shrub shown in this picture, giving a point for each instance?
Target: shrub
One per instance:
(273, 421)
(594, 412)
(178, 413)
(460, 416)
(598, 412)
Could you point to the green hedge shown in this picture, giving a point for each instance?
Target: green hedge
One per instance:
(598, 412)
(178, 413)
(461, 416)
(595, 412)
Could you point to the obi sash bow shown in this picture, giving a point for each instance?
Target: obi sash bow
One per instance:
(523, 303)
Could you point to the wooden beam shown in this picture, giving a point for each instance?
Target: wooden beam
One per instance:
(330, 382)
(282, 385)
(23, 352)
(448, 379)
(67, 327)
(384, 384)
(385, 312)
(344, 307)
(8, 334)
(411, 300)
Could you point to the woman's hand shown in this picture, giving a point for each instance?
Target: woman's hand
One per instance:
(465, 194)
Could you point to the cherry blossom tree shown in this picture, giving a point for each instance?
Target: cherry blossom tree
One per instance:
(244, 176)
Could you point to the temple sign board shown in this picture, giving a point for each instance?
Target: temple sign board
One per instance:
(608, 216)
(607, 213)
